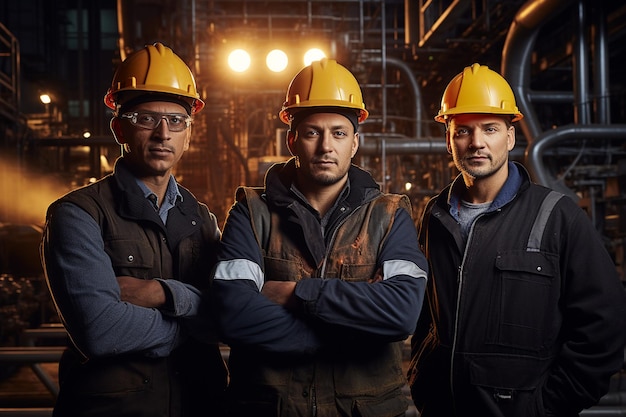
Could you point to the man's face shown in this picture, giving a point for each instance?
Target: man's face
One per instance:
(480, 145)
(324, 144)
(153, 152)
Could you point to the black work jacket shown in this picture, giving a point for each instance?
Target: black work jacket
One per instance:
(527, 319)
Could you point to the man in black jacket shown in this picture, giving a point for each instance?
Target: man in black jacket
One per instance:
(525, 313)
(127, 260)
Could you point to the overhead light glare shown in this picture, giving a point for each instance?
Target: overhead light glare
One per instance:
(313, 54)
(239, 60)
(276, 60)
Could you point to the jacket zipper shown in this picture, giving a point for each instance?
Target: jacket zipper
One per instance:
(313, 401)
(457, 312)
(331, 241)
(320, 275)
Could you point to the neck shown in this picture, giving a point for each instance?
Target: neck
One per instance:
(483, 190)
(322, 198)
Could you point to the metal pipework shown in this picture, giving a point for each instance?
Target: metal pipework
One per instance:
(549, 138)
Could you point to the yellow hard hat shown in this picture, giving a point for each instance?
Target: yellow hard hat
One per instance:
(478, 89)
(324, 83)
(154, 69)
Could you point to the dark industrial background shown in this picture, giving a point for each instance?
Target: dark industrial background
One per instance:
(565, 60)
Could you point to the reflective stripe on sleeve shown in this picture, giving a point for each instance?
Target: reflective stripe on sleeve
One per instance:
(240, 269)
(402, 267)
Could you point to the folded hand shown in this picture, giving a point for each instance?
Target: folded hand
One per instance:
(141, 292)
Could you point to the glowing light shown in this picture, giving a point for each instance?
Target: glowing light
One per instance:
(86, 134)
(45, 98)
(408, 186)
(313, 54)
(276, 60)
(239, 60)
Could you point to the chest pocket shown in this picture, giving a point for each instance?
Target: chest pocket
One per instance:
(130, 256)
(525, 306)
(285, 270)
(526, 297)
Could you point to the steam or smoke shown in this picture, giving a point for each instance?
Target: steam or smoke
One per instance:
(24, 196)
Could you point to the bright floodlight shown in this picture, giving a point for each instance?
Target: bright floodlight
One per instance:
(45, 99)
(276, 60)
(313, 54)
(239, 60)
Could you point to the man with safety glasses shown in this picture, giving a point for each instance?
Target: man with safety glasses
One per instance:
(127, 260)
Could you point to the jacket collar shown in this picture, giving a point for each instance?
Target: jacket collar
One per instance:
(517, 180)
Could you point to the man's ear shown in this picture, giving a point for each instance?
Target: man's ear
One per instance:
(510, 138)
(355, 145)
(187, 139)
(291, 140)
(116, 128)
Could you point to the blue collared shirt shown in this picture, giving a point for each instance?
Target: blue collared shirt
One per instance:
(171, 195)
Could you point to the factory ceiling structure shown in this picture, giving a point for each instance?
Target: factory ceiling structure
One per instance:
(563, 58)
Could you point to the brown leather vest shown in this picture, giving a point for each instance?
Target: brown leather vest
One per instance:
(359, 378)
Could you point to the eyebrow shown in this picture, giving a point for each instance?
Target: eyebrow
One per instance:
(487, 124)
(317, 127)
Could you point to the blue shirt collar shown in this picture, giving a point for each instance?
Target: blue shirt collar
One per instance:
(172, 194)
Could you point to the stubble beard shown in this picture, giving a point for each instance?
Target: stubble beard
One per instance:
(326, 178)
(481, 171)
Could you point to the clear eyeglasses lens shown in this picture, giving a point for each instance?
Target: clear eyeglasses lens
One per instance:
(176, 122)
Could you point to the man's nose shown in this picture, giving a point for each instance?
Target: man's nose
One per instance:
(162, 129)
(477, 139)
(326, 141)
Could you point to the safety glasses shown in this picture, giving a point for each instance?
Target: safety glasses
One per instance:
(176, 122)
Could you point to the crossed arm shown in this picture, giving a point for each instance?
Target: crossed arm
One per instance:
(99, 309)
(257, 311)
